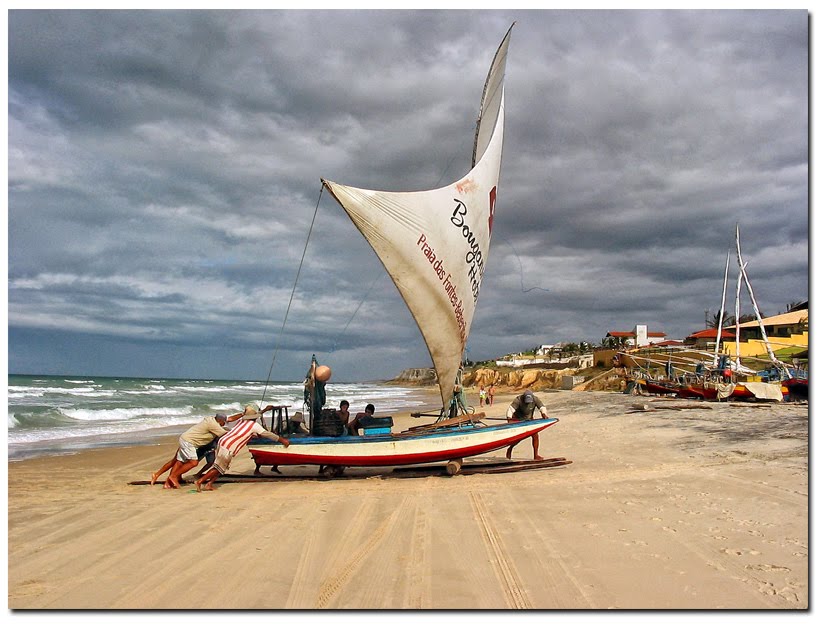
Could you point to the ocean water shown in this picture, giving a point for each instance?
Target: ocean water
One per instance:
(49, 415)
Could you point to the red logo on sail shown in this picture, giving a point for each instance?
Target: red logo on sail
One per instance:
(492, 200)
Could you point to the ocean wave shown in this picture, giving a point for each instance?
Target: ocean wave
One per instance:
(129, 413)
(226, 407)
(214, 389)
(33, 391)
(52, 414)
(142, 429)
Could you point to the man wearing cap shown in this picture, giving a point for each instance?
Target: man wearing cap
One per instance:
(522, 408)
(194, 444)
(235, 440)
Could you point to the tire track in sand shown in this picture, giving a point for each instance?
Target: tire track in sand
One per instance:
(504, 569)
(337, 580)
(419, 581)
(302, 592)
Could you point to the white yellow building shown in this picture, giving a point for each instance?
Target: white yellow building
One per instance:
(787, 330)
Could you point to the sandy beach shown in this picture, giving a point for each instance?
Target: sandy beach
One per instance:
(703, 508)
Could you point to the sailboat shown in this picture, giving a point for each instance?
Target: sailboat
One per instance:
(434, 244)
(733, 379)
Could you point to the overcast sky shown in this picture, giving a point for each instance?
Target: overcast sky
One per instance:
(164, 168)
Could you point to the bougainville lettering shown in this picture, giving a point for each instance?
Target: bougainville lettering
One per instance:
(474, 256)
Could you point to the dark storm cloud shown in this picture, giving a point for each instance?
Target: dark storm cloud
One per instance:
(164, 168)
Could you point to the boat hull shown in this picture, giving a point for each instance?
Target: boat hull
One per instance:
(798, 388)
(705, 393)
(395, 449)
(658, 387)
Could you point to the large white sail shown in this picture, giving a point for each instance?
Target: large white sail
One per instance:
(434, 244)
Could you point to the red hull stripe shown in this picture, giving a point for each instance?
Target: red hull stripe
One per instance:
(274, 455)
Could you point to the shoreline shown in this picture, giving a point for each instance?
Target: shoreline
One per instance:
(82, 441)
(699, 508)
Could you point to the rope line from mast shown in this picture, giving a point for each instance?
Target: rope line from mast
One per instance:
(360, 303)
(292, 294)
(523, 289)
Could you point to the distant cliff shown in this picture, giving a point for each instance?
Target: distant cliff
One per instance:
(416, 377)
(539, 379)
(517, 379)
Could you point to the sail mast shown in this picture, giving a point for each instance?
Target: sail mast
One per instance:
(721, 310)
(770, 352)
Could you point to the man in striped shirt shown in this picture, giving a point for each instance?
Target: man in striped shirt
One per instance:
(232, 442)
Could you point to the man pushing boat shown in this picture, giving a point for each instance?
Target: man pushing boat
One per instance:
(235, 440)
(522, 408)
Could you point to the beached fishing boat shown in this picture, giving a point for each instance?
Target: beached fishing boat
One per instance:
(724, 376)
(434, 244)
(797, 387)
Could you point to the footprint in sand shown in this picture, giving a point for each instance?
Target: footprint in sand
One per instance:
(789, 594)
(738, 553)
(767, 567)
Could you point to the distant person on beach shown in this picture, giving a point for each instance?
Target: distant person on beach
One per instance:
(235, 440)
(369, 410)
(492, 390)
(483, 396)
(522, 408)
(196, 442)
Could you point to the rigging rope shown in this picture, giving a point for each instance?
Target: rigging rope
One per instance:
(371, 286)
(522, 288)
(289, 304)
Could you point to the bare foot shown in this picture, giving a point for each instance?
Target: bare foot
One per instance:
(537, 458)
(154, 477)
(171, 484)
(199, 485)
(209, 487)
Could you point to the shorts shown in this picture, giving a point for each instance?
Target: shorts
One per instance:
(209, 448)
(186, 452)
(223, 459)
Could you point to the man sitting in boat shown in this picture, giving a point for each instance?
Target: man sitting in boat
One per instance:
(295, 425)
(343, 414)
(522, 408)
(360, 418)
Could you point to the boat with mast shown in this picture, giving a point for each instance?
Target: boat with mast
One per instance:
(434, 244)
(721, 375)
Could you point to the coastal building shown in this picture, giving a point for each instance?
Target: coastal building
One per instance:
(639, 336)
(706, 338)
(784, 331)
